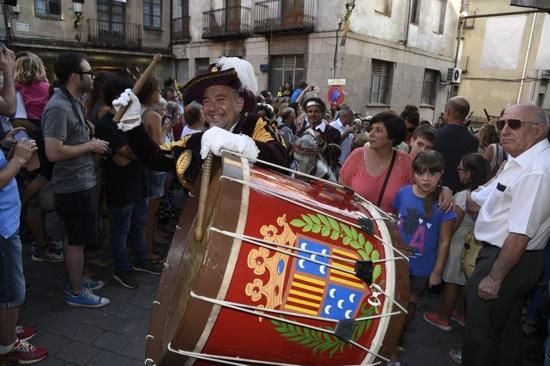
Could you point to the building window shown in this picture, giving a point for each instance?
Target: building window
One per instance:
(415, 12)
(440, 11)
(380, 82)
(48, 7)
(201, 65)
(429, 87)
(285, 68)
(541, 95)
(152, 14)
(383, 6)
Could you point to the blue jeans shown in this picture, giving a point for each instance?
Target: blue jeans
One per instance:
(12, 281)
(129, 225)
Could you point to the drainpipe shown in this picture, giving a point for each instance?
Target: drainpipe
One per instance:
(408, 23)
(526, 58)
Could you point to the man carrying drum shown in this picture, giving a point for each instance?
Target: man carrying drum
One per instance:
(227, 93)
(513, 225)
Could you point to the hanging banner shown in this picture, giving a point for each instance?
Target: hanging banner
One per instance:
(502, 43)
(543, 57)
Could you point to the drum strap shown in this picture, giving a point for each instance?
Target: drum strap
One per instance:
(383, 190)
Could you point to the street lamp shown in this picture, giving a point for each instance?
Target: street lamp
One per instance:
(77, 7)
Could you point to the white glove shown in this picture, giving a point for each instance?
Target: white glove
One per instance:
(132, 117)
(216, 139)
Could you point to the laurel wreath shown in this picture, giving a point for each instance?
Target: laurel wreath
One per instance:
(318, 341)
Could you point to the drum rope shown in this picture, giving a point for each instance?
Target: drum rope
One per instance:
(259, 312)
(338, 185)
(303, 205)
(228, 360)
(276, 247)
(262, 313)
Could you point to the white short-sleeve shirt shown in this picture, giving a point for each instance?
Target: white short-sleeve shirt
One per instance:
(517, 200)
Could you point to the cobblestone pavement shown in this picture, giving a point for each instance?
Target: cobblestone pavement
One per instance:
(115, 334)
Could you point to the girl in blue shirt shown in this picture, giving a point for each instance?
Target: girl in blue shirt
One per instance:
(424, 228)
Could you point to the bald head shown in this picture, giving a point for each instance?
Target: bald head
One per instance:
(457, 109)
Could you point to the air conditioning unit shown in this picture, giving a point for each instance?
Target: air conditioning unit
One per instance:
(453, 75)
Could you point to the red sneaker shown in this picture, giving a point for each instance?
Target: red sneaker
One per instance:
(24, 353)
(434, 320)
(25, 333)
(457, 317)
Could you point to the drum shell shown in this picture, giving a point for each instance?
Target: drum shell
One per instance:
(201, 267)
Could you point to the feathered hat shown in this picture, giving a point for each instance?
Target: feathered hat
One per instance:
(233, 72)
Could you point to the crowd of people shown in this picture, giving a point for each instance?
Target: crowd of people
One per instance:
(442, 184)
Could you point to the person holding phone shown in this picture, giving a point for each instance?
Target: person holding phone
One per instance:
(14, 347)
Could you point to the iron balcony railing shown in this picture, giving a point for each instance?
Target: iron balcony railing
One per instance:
(104, 33)
(228, 22)
(180, 29)
(273, 16)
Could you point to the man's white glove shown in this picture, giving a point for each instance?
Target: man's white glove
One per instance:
(216, 139)
(132, 117)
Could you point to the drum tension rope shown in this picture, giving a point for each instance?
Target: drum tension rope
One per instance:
(363, 271)
(344, 329)
(366, 225)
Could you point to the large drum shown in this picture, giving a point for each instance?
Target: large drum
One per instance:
(288, 272)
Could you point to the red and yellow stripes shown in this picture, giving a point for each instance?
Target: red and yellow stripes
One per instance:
(305, 295)
(341, 277)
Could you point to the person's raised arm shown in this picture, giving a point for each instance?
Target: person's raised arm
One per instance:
(8, 103)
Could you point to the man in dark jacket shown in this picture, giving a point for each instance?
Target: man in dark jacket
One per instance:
(227, 93)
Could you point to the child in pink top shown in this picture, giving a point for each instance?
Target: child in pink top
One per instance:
(31, 82)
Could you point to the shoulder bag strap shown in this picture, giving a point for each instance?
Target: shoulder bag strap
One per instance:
(387, 179)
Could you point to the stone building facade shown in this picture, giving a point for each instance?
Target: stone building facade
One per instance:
(396, 52)
(115, 35)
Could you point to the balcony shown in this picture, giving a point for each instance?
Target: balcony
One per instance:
(103, 33)
(230, 22)
(284, 16)
(180, 29)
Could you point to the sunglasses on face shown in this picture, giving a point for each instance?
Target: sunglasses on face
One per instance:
(91, 73)
(513, 124)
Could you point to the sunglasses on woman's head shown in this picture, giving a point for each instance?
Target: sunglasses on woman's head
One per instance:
(512, 123)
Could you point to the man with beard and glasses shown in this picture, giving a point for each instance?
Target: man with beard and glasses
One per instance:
(70, 145)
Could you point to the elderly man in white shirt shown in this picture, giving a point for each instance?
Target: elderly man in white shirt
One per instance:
(514, 226)
(344, 124)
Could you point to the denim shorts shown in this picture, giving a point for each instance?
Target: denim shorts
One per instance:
(12, 281)
(156, 180)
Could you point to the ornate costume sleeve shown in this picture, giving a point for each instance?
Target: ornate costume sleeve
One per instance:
(271, 149)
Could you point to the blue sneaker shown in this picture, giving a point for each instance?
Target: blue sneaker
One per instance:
(91, 284)
(87, 284)
(86, 299)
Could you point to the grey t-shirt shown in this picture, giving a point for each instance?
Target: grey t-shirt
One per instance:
(60, 121)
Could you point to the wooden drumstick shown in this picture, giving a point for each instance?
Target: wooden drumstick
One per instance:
(205, 182)
(138, 85)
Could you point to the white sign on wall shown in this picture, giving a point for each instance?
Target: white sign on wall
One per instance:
(22, 27)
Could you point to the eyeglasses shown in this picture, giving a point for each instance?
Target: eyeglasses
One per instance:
(91, 73)
(513, 124)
